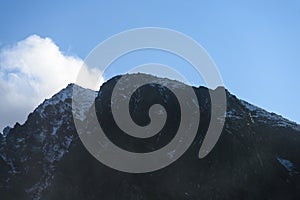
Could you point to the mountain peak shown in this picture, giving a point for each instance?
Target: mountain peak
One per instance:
(65, 96)
(257, 155)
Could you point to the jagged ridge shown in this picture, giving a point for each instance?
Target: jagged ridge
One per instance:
(44, 159)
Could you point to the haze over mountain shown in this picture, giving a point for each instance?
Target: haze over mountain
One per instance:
(256, 157)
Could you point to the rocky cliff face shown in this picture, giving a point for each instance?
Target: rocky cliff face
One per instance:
(256, 157)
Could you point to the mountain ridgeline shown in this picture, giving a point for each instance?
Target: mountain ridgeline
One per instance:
(256, 157)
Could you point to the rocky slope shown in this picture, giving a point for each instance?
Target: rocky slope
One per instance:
(256, 157)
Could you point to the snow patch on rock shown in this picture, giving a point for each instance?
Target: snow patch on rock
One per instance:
(288, 165)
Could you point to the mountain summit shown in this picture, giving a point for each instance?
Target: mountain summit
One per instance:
(256, 157)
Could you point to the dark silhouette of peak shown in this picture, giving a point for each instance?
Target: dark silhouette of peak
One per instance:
(256, 157)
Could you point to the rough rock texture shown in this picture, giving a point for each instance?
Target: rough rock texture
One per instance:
(256, 157)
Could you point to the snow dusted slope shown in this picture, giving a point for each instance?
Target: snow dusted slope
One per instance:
(43, 139)
(263, 116)
(65, 95)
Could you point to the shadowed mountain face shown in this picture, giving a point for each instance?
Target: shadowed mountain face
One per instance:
(256, 157)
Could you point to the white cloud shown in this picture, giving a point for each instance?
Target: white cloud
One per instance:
(32, 70)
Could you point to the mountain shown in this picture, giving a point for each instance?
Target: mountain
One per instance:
(256, 157)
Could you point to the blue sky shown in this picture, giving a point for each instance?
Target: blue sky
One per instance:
(255, 44)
